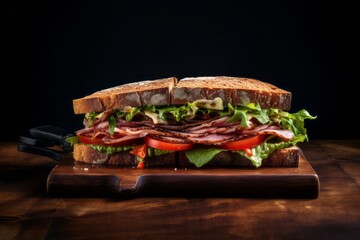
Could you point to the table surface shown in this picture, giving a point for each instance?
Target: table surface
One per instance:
(28, 212)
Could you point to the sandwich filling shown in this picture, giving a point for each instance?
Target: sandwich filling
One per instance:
(202, 129)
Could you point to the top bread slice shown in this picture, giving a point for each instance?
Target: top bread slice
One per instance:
(234, 90)
(170, 91)
(137, 94)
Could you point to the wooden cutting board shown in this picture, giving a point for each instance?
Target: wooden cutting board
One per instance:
(74, 179)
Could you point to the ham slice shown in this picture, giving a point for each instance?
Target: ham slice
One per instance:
(109, 140)
(285, 134)
(213, 131)
(171, 139)
(213, 139)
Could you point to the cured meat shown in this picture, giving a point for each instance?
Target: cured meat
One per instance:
(213, 139)
(109, 140)
(285, 134)
(92, 129)
(171, 139)
(212, 131)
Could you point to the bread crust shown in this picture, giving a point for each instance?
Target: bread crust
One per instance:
(234, 90)
(168, 91)
(137, 94)
(85, 153)
(288, 157)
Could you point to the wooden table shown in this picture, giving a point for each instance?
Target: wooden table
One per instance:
(28, 212)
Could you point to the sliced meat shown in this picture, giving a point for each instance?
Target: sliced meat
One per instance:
(101, 125)
(282, 133)
(171, 139)
(109, 140)
(208, 123)
(212, 139)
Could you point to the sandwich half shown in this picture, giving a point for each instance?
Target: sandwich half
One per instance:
(194, 122)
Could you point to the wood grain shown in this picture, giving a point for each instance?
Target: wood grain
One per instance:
(80, 179)
(28, 212)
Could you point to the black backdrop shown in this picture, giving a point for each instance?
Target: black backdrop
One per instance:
(54, 52)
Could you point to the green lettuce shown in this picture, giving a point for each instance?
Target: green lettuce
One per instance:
(112, 124)
(151, 152)
(292, 121)
(200, 156)
(111, 149)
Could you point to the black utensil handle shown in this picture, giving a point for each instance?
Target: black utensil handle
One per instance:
(29, 140)
(56, 155)
(53, 133)
(50, 132)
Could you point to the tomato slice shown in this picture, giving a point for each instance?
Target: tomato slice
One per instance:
(89, 140)
(140, 151)
(245, 143)
(158, 144)
(98, 141)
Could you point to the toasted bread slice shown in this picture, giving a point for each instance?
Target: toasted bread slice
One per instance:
(168, 91)
(85, 153)
(137, 94)
(234, 90)
(287, 157)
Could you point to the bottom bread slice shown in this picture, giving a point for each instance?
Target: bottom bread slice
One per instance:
(85, 153)
(287, 157)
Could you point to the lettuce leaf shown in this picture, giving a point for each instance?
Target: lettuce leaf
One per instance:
(132, 112)
(262, 151)
(111, 149)
(296, 122)
(200, 156)
(240, 114)
(72, 140)
(112, 124)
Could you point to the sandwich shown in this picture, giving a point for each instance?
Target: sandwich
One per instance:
(198, 122)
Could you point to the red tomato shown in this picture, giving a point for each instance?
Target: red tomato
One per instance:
(158, 144)
(245, 143)
(140, 151)
(140, 165)
(97, 141)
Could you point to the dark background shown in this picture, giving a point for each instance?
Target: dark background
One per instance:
(53, 52)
